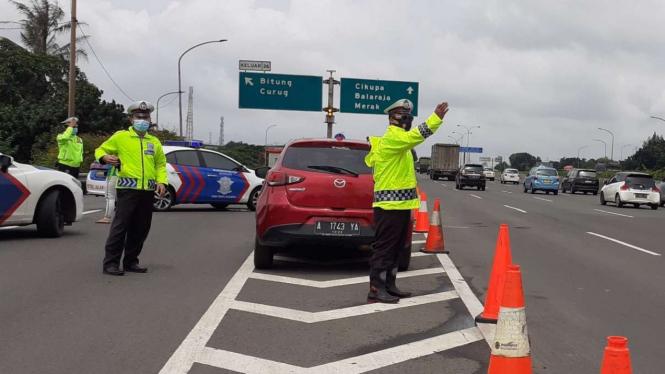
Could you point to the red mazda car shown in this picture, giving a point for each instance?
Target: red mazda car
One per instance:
(318, 194)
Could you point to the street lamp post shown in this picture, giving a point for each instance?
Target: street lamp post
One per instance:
(468, 137)
(612, 151)
(578, 155)
(627, 145)
(455, 140)
(598, 140)
(266, 142)
(658, 118)
(166, 94)
(179, 76)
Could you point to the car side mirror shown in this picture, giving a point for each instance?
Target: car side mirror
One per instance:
(605, 183)
(262, 172)
(5, 163)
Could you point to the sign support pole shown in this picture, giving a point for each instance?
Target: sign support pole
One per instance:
(330, 117)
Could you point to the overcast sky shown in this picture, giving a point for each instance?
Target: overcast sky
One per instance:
(537, 76)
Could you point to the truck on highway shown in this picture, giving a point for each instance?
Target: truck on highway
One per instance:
(445, 161)
(423, 164)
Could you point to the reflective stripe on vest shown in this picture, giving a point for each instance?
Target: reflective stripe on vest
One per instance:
(395, 195)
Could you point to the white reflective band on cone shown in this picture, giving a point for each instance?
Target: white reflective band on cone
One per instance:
(436, 219)
(512, 336)
(423, 206)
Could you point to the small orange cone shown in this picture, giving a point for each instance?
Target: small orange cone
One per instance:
(422, 220)
(434, 242)
(502, 259)
(617, 356)
(511, 351)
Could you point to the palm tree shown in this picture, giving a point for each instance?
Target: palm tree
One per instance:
(41, 24)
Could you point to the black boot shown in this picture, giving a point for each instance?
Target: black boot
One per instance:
(377, 288)
(391, 287)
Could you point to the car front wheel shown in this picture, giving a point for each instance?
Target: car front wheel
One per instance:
(164, 203)
(602, 199)
(654, 206)
(48, 217)
(253, 199)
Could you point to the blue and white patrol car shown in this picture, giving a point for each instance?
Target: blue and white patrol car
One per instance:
(201, 176)
(36, 195)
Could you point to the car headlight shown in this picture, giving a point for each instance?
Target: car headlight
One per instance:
(77, 182)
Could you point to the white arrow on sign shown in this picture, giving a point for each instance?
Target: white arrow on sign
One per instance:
(409, 90)
(248, 81)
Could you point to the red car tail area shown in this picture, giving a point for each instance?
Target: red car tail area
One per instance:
(320, 191)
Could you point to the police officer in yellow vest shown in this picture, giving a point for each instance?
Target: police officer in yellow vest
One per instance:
(70, 149)
(141, 170)
(395, 194)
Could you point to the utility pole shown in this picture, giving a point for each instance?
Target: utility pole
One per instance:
(72, 64)
(221, 133)
(330, 109)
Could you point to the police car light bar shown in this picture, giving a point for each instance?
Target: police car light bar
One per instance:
(183, 143)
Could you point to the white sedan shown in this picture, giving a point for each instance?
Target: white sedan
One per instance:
(36, 195)
(510, 176)
(489, 173)
(201, 176)
(631, 188)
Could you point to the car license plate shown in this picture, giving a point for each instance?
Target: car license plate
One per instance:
(473, 177)
(327, 228)
(547, 181)
(588, 181)
(641, 195)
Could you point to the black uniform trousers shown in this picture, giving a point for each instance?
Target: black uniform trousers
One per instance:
(130, 227)
(74, 172)
(392, 229)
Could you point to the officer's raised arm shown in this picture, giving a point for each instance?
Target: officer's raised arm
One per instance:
(400, 116)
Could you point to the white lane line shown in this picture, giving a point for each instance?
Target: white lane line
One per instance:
(455, 227)
(355, 365)
(477, 197)
(506, 191)
(472, 303)
(183, 358)
(329, 315)
(517, 209)
(419, 242)
(92, 211)
(616, 214)
(455, 189)
(625, 244)
(444, 185)
(540, 198)
(338, 282)
(419, 254)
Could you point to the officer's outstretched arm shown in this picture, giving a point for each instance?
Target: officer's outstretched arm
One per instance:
(107, 148)
(403, 141)
(65, 136)
(160, 165)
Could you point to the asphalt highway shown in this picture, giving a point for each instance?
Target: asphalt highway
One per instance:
(589, 272)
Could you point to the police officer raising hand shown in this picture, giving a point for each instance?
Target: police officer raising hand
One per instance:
(395, 194)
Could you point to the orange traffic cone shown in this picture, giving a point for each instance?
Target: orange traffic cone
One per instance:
(511, 351)
(434, 242)
(502, 259)
(617, 356)
(422, 220)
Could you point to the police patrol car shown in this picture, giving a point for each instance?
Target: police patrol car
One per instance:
(35, 195)
(201, 176)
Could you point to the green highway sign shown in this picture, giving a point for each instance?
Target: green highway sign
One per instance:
(280, 92)
(368, 96)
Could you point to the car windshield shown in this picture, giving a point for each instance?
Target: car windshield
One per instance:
(473, 169)
(640, 182)
(511, 171)
(547, 173)
(588, 174)
(337, 160)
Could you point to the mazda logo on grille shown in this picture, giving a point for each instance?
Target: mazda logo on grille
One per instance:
(340, 183)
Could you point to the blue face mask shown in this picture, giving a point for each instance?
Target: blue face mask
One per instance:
(75, 131)
(141, 125)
